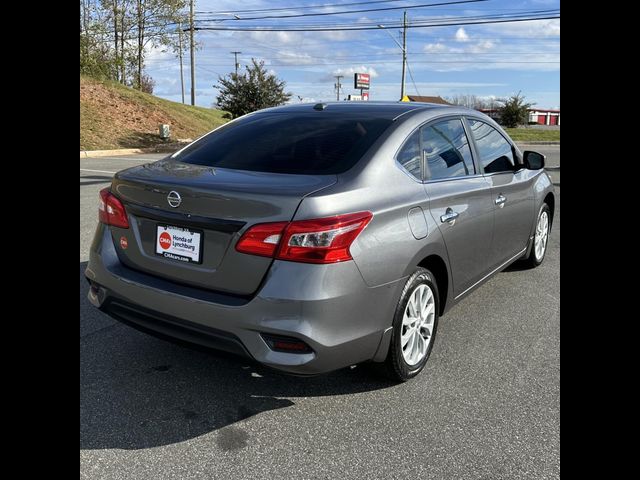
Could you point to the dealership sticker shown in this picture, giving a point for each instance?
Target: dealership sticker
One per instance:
(178, 243)
(124, 243)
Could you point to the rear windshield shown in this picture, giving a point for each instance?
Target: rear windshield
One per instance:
(318, 143)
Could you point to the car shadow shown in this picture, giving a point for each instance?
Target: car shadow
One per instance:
(94, 179)
(517, 266)
(137, 391)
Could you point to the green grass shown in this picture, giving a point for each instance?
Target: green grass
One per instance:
(115, 116)
(533, 134)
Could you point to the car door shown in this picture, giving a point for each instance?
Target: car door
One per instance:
(511, 190)
(459, 198)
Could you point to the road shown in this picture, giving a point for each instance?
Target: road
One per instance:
(486, 406)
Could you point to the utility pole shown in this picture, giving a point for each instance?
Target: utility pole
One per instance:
(404, 53)
(235, 54)
(193, 59)
(180, 54)
(337, 86)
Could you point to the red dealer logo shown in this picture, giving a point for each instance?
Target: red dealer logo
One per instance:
(165, 240)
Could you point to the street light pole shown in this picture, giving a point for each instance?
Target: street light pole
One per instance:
(193, 58)
(235, 54)
(403, 47)
(338, 85)
(404, 53)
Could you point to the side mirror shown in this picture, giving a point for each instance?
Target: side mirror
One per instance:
(533, 160)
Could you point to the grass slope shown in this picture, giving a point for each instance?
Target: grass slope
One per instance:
(533, 134)
(115, 116)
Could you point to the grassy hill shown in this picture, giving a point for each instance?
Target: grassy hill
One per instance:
(115, 116)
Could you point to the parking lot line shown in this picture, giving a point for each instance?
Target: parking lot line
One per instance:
(95, 171)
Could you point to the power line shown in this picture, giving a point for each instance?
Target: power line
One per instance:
(424, 5)
(345, 64)
(412, 80)
(484, 16)
(303, 7)
(350, 28)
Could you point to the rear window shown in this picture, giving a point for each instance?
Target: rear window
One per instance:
(278, 143)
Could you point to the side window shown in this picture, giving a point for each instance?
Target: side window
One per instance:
(409, 156)
(496, 154)
(447, 151)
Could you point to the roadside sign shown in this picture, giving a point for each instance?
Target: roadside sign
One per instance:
(355, 98)
(365, 96)
(361, 81)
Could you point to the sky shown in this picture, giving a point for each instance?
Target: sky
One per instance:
(490, 61)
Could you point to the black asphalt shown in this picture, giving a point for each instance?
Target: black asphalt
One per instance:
(486, 406)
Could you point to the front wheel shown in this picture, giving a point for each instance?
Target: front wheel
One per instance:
(414, 327)
(540, 237)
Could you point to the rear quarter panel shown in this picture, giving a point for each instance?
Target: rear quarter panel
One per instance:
(386, 250)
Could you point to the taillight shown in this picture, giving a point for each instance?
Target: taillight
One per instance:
(322, 240)
(261, 239)
(111, 211)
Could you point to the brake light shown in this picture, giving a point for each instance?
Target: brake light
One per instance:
(322, 240)
(111, 211)
(261, 239)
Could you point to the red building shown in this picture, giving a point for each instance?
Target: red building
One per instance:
(540, 116)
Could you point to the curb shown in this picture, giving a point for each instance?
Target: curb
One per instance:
(169, 148)
(106, 153)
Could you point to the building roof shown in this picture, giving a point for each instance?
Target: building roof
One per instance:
(421, 98)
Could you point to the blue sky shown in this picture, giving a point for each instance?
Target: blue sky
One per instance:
(491, 60)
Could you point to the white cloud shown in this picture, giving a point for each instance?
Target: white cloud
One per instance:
(435, 47)
(348, 72)
(482, 47)
(461, 35)
(288, 57)
(281, 38)
(533, 28)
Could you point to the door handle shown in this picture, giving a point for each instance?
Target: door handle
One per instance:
(449, 216)
(500, 200)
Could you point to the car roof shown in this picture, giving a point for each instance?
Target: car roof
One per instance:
(387, 110)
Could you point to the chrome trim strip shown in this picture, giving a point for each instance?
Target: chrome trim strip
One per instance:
(492, 272)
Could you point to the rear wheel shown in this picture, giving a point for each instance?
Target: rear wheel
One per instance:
(414, 327)
(540, 237)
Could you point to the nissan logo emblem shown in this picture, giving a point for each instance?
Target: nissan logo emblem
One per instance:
(174, 199)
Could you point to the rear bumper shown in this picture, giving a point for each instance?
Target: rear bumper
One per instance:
(329, 307)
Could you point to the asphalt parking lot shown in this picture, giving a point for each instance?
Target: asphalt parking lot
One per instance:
(487, 405)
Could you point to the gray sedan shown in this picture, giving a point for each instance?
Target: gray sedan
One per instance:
(314, 237)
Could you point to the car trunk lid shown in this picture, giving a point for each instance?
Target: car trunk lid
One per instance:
(215, 207)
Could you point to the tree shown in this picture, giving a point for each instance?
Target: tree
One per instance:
(469, 101)
(154, 21)
(253, 90)
(146, 83)
(515, 111)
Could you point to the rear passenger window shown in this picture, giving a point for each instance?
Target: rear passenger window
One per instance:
(409, 156)
(447, 151)
(496, 154)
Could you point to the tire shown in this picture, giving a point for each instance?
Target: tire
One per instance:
(396, 366)
(536, 258)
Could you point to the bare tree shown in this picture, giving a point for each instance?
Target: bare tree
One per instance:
(470, 101)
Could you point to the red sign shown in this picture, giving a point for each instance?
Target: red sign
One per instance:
(165, 240)
(361, 81)
(365, 96)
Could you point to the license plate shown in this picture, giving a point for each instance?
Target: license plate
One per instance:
(179, 243)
